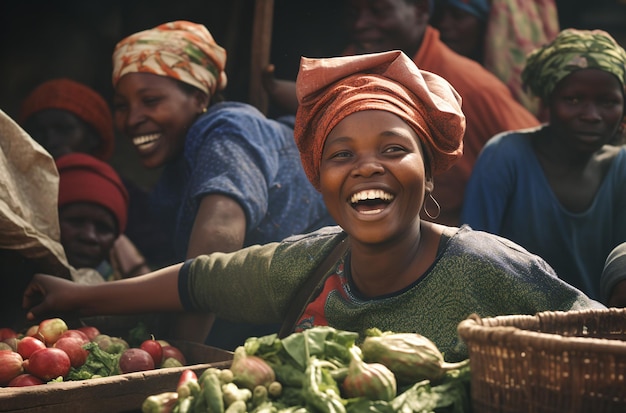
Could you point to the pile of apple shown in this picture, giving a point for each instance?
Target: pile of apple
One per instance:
(49, 350)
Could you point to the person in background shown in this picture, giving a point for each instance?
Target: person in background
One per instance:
(383, 25)
(499, 34)
(373, 133)
(231, 177)
(66, 116)
(93, 213)
(613, 278)
(558, 190)
(29, 221)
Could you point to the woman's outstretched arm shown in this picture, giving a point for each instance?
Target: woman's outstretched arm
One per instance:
(153, 292)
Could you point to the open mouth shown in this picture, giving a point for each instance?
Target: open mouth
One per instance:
(371, 201)
(146, 142)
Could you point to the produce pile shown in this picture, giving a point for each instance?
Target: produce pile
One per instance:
(52, 352)
(325, 370)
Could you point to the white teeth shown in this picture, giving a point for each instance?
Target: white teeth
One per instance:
(371, 194)
(145, 139)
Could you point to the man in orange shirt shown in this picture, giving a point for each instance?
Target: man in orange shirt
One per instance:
(489, 107)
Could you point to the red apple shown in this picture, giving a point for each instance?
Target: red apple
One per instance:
(135, 359)
(24, 380)
(91, 331)
(28, 345)
(32, 331)
(173, 352)
(76, 334)
(155, 350)
(73, 346)
(51, 329)
(49, 363)
(10, 366)
(6, 332)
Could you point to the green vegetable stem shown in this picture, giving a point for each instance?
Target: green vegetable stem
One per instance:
(320, 390)
(212, 393)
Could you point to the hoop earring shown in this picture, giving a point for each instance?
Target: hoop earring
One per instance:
(428, 214)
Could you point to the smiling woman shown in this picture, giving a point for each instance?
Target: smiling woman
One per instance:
(558, 190)
(231, 176)
(369, 127)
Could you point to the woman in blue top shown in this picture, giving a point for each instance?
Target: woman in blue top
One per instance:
(559, 190)
(231, 177)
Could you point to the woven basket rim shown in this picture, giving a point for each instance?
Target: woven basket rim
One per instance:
(502, 330)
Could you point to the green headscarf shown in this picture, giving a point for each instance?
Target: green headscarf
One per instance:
(572, 50)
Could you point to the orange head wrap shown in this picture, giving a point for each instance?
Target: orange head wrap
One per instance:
(83, 178)
(80, 100)
(331, 89)
(181, 50)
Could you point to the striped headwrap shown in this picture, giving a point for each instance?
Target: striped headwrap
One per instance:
(572, 50)
(180, 49)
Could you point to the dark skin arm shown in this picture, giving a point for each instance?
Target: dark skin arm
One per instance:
(153, 292)
(220, 225)
(281, 92)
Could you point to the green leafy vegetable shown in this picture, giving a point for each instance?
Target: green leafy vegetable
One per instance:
(99, 363)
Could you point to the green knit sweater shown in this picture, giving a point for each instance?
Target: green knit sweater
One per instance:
(474, 272)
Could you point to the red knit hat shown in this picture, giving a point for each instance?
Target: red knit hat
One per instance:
(78, 99)
(83, 178)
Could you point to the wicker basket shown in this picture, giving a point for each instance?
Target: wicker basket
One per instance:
(552, 362)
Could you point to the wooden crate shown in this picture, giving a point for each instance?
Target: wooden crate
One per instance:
(121, 393)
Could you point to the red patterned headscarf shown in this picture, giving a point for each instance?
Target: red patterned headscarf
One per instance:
(181, 50)
(330, 89)
(83, 178)
(80, 100)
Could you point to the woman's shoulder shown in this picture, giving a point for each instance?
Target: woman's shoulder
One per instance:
(245, 118)
(486, 248)
(231, 109)
(513, 138)
(507, 146)
(331, 235)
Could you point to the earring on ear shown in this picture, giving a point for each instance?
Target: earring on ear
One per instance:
(204, 109)
(436, 214)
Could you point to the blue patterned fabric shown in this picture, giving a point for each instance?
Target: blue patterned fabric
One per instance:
(234, 150)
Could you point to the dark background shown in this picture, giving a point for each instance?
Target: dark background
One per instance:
(44, 39)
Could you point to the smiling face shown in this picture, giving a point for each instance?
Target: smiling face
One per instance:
(88, 232)
(586, 108)
(383, 25)
(372, 176)
(155, 112)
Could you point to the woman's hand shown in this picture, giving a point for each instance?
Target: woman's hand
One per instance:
(48, 294)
